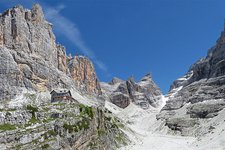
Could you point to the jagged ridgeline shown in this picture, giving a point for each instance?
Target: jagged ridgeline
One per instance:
(144, 93)
(32, 63)
(31, 60)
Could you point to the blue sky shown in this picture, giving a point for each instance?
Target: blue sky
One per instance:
(135, 37)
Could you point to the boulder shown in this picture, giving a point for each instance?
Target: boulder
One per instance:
(120, 99)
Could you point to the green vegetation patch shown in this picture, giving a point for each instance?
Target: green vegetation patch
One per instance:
(30, 96)
(116, 123)
(70, 128)
(52, 133)
(11, 109)
(84, 124)
(7, 126)
(59, 104)
(33, 120)
(120, 139)
(86, 110)
(92, 145)
(49, 133)
(46, 109)
(101, 132)
(48, 120)
(8, 114)
(45, 146)
(33, 110)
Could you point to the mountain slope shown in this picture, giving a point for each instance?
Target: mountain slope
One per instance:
(191, 116)
(31, 65)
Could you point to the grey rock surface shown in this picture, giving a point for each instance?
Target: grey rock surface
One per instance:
(30, 58)
(115, 80)
(200, 93)
(144, 93)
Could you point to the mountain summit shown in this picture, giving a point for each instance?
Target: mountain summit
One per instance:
(144, 93)
(31, 60)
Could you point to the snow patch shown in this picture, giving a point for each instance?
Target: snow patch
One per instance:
(174, 92)
(142, 128)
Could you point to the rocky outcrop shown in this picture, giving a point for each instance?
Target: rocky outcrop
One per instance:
(115, 80)
(62, 59)
(200, 93)
(206, 109)
(120, 99)
(31, 59)
(83, 73)
(150, 90)
(144, 93)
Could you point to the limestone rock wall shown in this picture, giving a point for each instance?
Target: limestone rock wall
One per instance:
(83, 73)
(200, 94)
(144, 93)
(31, 59)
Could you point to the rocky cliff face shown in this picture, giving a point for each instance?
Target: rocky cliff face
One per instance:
(83, 73)
(144, 93)
(199, 95)
(31, 59)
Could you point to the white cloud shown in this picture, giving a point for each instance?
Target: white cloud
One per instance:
(69, 29)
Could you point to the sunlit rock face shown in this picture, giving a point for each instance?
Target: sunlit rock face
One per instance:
(31, 59)
(144, 93)
(200, 93)
(83, 73)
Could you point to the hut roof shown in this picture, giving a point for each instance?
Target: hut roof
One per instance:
(61, 91)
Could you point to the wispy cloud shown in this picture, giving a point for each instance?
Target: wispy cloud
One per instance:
(69, 29)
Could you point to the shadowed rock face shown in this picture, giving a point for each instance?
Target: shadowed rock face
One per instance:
(200, 93)
(144, 93)
(31, 59)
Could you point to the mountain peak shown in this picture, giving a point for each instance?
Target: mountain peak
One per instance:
(37, 13)
(144, 93)
(37, 62)
(147, 77)
(115, 80)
